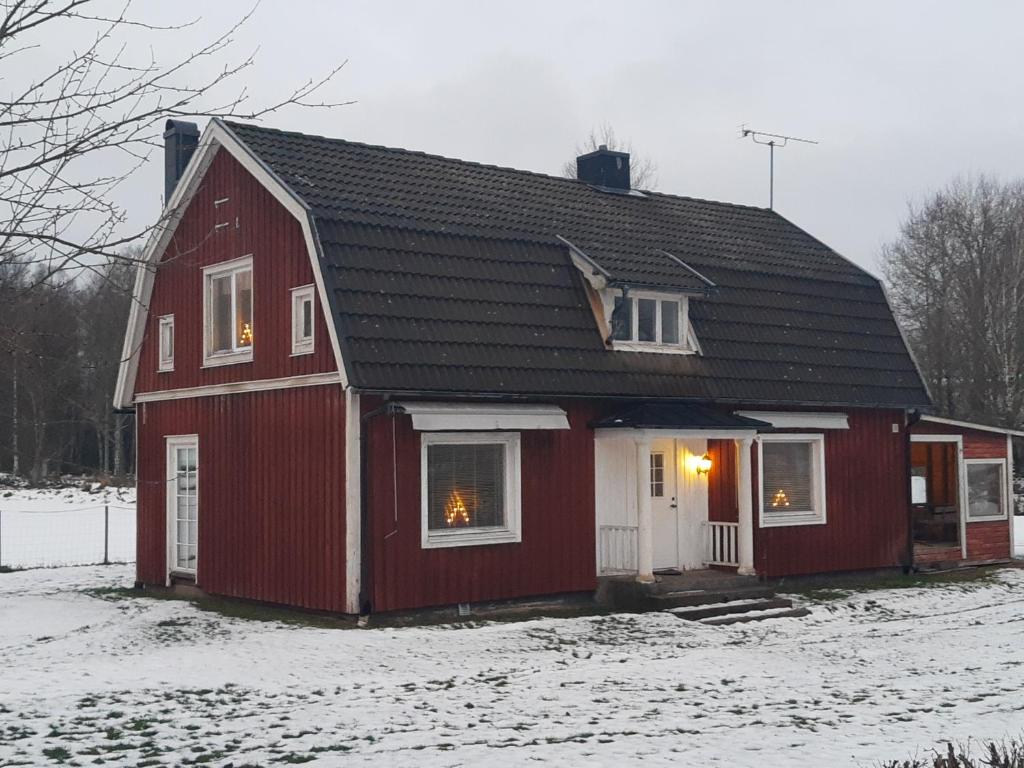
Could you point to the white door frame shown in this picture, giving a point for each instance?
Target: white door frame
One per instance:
(668, 503)
(173, 443)
(961, 479)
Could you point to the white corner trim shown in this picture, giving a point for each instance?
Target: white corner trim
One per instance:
(427, 417)
(799, 420)
(509, 533)
(1010, 499)
(819, 483)
(240, 387)
(353, 502)
(216, 136)
(971, 425)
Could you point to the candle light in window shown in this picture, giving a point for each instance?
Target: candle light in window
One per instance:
(455, 510)
(780, 499)
(245, 339)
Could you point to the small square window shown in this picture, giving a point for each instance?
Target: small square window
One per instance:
(986, 490)
(302, 320)
(166, 344)
(470, 488)
(228, 312)
(648, 322)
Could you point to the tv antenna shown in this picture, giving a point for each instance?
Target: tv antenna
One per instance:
(770, 140)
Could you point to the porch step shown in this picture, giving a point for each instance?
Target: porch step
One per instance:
(743, 618)
(732, 608)
(707, 597)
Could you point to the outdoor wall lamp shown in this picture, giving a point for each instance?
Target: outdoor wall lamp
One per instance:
(704, 464)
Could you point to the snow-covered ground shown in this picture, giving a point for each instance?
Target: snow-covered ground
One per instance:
(865, 677)
(65, 526)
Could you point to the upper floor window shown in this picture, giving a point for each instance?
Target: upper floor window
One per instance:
(166, 343)
(302, 320)
(227, 312)
(650, 321)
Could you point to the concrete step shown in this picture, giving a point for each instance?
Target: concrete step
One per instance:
(743, 618)
(732, 608)
(692, 597)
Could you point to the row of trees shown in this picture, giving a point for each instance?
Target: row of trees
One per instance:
(60, 346)
(955, 276)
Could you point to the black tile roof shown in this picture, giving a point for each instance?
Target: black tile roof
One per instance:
(449, 276)
(677, 416)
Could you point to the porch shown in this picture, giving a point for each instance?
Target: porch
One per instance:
(674, 492)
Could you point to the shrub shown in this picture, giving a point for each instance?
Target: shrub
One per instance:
(991, 754)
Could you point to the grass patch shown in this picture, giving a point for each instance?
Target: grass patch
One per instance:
(988, 754)
(836, 587)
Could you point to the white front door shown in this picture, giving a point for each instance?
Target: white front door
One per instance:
(679, 503)
(182, 504)
(663, 478)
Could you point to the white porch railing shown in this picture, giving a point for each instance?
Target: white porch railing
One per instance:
(720, 543)
(618, 549)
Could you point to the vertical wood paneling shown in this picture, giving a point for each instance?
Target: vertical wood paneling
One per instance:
(271, 494)
(558, 528)
(866, 501)
(257, 225)
(722, 500)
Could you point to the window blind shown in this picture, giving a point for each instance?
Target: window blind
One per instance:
(788, 477)
(465, 485)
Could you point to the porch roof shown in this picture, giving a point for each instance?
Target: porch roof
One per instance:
(689, 416)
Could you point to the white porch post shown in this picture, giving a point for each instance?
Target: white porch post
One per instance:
(644, 517)
(744, 495)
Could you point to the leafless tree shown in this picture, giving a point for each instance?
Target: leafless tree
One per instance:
(79, 120)
(956, 278)
(643, 172)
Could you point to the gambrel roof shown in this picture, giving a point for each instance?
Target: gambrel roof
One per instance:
(446, 276)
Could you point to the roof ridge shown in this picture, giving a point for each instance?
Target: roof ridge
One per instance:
(489, 166)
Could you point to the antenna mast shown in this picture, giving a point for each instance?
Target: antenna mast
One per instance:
(770, 140)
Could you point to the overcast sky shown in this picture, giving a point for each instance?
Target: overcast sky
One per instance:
(902, 96)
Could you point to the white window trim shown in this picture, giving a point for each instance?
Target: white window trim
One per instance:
(242, 354)
(300, 295)
(511, 532)
(1002, 487)
(173, 442)
(687, 344)
(165, 363)
(818, 516)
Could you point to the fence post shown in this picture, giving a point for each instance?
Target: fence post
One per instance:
(106, 534)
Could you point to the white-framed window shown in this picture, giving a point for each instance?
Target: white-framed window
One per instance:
(165, 334)
(302, 320)
(470, 488)
(228, 312)
(657, 474)
(182, 503)
(650, 322)
(792, 469)
(986, 489)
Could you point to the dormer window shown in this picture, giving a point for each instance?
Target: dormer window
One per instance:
(650, 322)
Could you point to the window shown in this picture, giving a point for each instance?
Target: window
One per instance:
(649, 322)
(657, 475)
(183, 503)
(470, 488)
(986, 489)
(166, 339)
(792, 479)
(227, 312)
(302, 320)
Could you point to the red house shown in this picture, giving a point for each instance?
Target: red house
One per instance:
(374, 379)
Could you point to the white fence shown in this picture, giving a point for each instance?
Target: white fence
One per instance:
(618, 549)
(720, 544)
(84, 534)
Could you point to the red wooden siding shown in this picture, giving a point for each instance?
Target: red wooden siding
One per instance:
(271, 493)
(985, 540)
(557, 549)
(280, 262)
(722, 496)
(866, 503)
